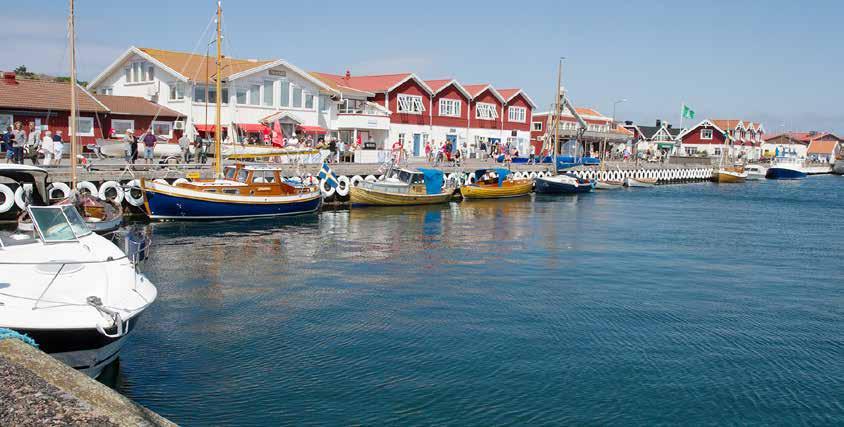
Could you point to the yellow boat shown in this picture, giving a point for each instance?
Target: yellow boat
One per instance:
(402, 187)
(496, 188)
(730, 175)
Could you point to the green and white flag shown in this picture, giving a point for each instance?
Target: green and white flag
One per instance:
(688, 113)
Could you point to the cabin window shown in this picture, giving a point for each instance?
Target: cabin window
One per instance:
(84, 126)
(284, 93)
(450, 107)
(268, 93)
(484, 111)
(230, 191)
(260, 176)
(119, 127)
(517, 114)
(162, 128)
(537, 126)
(177, 91)
(410, 104)
(242, 175)
(230, 173)
(706, 134)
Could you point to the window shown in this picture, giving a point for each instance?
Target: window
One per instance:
(691, 151)
(309, 101)
(106, 91)
(411, 104)
(162, 129)
(199, 94)
(150, 73)
(284, 97)
(706, 134)
(323, 103)
(351, 106)
(6, 120)
(717, 151)
(401, 139)
(254, 94)
(450, 107)
(119, 127)
(517, 114)
(240, 95)
(537, 126)
(297, 97)
(84, 126)
(177, 91)
(268, 93)
(140, 72)
(485, 111)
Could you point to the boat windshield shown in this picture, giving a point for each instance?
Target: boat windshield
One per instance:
(58, 223)
(230, 171)
(410, 178)
(241, 175)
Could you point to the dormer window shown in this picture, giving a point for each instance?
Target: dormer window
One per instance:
(140, 72)
(484, 111)
(706, 134)
(517, 114)
(410, 104)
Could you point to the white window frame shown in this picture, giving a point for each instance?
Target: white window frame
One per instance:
(490, 112)
(161, 122)
(536, 128)
(174, 91)
(450, 107)
(237, 92)
(268, 93)
(124, 121)
(517, 114)
(704, 133)
(409, 104)
(87, 120)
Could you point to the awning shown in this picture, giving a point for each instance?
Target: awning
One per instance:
(312, 129)
(252, 128)
(208, 128)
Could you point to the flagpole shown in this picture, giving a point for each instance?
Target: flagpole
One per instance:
(682, 114)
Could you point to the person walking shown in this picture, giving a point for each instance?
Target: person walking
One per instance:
(184, 144)
(6, 146)
(33, 143)
(428, 151)
(149, 146)
(47, 146)
(58, 149)
(128, 144)
(18, 141)
(332, 147)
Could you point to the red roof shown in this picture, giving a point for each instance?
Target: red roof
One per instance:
(436, 85)
(136, 106)
(508, 93)
(29, 94)
(380, 83)
(475, 90)
(822, 147)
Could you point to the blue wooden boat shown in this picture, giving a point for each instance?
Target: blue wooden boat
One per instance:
(563, 184)
(245, 192)
(786, 168)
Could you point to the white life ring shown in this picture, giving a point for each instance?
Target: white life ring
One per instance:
(118, 190)
(517, 175)
(327, 190)
(343, 185)
(356, 180)
(532, 175)
(471, 179)
(161, 181)
(8, 198)
(370, 178)
(127, 193)
(183, 181)
(64, 188)
(19, 195)
(87, 187)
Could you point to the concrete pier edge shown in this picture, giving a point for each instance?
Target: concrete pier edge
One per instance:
(35, 374)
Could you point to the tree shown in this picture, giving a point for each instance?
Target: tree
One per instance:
(23, 72)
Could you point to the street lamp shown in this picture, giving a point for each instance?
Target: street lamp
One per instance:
(614, 105)
(612, 128)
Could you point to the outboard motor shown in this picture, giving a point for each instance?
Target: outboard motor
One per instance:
(136, 244)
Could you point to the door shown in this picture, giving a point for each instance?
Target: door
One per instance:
(417, 145)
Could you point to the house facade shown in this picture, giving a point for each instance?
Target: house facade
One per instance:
(599, 129)
(798, 144)
(47, 105)
(662, 137)
(711, 137)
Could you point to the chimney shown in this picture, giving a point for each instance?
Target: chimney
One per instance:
(9, 77)
(348, 74)
(658, 122)
(670, 126)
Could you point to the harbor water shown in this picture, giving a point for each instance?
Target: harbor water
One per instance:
(681, 304)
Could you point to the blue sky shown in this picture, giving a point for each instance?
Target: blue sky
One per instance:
(778, 62)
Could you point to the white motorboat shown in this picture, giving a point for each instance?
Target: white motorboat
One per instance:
(639, 182)
(755, 172)
(72, 291)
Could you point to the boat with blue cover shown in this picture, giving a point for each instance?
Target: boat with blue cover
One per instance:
(403, 187)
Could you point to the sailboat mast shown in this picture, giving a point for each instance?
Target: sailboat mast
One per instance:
(218, 154)
(73, 113)
(557, 113)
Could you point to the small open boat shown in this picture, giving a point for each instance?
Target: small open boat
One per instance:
(729, 175)
(496, 184)
(608, 185)
(403, 187)
(246, 191)
(755, 172)
(640, 182)
(563, 184)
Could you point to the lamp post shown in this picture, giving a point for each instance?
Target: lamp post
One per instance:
(612, 128)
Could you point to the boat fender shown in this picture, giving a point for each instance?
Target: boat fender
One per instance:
(327, 190)
(127, 192)
(370, 178)
(517, 175)
(181, 181)
(118, 191)
(87, 187)
(19, 195)
(8, 198)
(161, 181)
(60, 186)
(343, 184)
(532, 175)
(310, 180)
(471, 179)
(356, 180)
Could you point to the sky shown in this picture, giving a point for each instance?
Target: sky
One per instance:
(776, 62)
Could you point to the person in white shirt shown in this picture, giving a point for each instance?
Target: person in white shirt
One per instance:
(47, 147)
(58, 150)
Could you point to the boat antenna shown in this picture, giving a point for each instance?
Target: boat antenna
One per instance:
(218, 153)
(73, 113)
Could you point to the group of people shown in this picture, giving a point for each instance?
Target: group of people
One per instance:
(443, 152)
(132, 145)
(41, 148)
